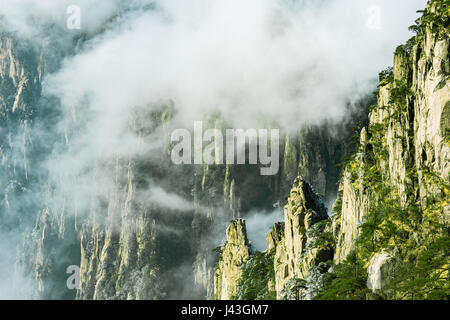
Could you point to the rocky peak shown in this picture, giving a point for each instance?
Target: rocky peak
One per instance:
(303, 210)
(236, 233)
(235, 251)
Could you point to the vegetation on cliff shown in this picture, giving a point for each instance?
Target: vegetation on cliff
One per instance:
(390, 232)
(408, 198)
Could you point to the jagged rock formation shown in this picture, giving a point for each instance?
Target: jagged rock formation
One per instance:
(133, 247)
(293, 259)
(389, 232)
(119, 251)
(20, 85)
(115, 241)
(291, 247)
(275, 236)
(353, 203)
(313, 152)
(235, 251)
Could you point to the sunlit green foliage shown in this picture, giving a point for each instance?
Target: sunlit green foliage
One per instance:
(257, 275)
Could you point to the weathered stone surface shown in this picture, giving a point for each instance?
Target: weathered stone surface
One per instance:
(292, 259)
(275, 236)
(119, 253)
(313, 152)
(235, 251)
(415, 137)
(379, 271)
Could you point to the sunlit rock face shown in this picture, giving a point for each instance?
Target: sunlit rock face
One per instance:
(379, 271)
(275, 236)
(416, 139)
(293, 259)
(402, 158)
(235, 251)
(230, 192)
(289, 244)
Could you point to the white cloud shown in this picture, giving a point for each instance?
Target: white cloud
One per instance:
(292, 61)
(249, 58)
(259, 225)
(169, 200)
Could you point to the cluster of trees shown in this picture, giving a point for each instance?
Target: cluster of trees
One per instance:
(257, 280)
(438, 19)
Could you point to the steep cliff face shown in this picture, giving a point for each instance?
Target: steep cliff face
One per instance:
(294, 258)
(406, 145)
(394, 207)
(315, 153)
(235, 251)
(20, 85)
(351, 206)
(388, 237)
(24, 183)
(229, 192)
(134, 244)
(119, 249)
(392, 200)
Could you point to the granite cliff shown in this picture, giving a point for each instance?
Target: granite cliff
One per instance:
(387, 234)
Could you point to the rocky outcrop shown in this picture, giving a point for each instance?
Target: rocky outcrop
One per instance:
(275, 236)
(234, 252)
(129, 247)
(294, 246)
(413, 136)
(293, 258)
(119, 257)
(380, 270)
(389, 224)
(313, 152)
(20, 88)
(353, 206)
